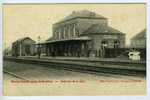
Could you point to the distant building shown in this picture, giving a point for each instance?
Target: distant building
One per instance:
(83, 33)
(7, 51)
(139, 40)
(23, 47)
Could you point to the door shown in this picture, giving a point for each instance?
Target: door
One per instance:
(27, 50)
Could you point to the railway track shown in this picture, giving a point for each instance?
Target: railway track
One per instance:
(15, 75)
(19, 76)
(113, 76)
(88, 68)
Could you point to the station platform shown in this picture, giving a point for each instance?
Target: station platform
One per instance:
(92, 59)
(114, 63)
(92, 65)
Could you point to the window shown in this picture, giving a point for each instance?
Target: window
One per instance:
(55, 34)
(77, 32)
(74, 30)
(66, 32)
(62, 33)
(71, 30)
(69, 33)
(59, 33)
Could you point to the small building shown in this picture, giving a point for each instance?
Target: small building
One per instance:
(139, 40)
(83, 33)
(23, 47)
(138, 43)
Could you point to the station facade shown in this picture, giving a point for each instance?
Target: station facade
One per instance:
(83, 33)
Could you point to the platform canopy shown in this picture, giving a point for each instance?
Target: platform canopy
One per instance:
(52, 40)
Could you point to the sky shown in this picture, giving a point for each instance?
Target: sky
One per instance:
(33, 20)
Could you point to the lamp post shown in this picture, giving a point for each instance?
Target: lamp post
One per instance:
(39, 47)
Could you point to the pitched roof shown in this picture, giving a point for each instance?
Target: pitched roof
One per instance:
(140, 35)
(22, 39)
(99, 29)
(82, 14)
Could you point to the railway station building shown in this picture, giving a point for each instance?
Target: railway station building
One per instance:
(83, 33)
(23, 47)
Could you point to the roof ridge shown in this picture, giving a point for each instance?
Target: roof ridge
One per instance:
(81, 13)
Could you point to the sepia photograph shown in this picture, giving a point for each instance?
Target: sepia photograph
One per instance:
(88, 49)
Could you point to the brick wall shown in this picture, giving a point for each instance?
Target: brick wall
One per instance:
(82, 24)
